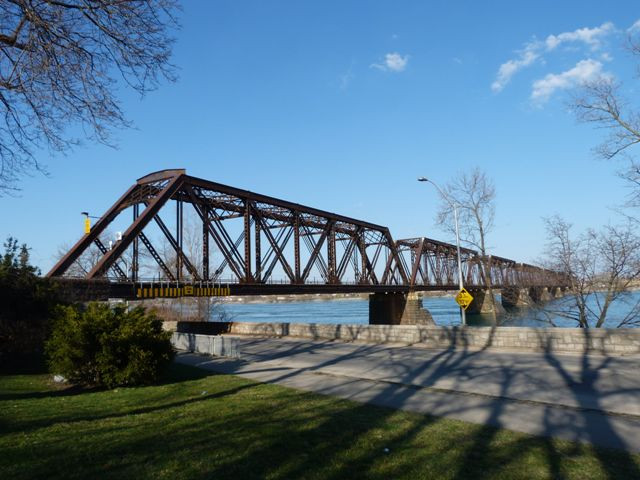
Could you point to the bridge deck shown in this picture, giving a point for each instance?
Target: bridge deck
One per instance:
(101, 290)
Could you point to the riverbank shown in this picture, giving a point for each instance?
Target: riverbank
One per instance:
(315, 297)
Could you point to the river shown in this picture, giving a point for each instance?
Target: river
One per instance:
(443, 309)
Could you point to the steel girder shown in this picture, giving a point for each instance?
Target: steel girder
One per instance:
(274, 236)
(434, 263)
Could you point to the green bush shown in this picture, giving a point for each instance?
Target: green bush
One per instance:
(27, 302)
(108, 347)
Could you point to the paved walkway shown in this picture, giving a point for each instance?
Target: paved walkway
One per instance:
(593, 399)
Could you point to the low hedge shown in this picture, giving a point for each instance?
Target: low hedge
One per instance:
(106, 346)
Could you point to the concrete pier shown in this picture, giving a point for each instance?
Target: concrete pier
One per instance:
(398, 309)
(557, 292)
(540, 294)
(545, 295)
(482, 304)
(516, 297)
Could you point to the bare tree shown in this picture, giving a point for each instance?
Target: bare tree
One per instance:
(603, 266)
(199, 308)
(474, 194)
(90, 258)
(60, 65)
(602, 103)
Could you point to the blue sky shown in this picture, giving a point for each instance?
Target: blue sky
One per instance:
(341, 105)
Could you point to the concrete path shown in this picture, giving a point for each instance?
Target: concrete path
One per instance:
(593, 399)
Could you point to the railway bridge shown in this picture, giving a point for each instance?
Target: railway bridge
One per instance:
(179, 235)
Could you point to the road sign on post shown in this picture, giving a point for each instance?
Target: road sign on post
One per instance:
(464, 298)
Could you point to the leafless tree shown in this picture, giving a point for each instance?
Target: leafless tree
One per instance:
(200, 308)
(601, 102)
(92, 255)
(603, 266)
(61, 63)
(474, 194)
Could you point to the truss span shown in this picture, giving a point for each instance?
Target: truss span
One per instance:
(181, 229)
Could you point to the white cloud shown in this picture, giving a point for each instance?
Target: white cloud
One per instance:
(510, 68)
(588, 36)
(393, 62)
(535, 50)
(635, 27)
(584, 71)
(606, 57)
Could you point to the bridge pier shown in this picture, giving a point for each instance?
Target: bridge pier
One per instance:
(398, 309)
(482, 304)
(558, 292)
(540, 294)
(544, 295)
(516, 297)
(527, 297)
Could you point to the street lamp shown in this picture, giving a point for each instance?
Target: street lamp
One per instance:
(455, 215)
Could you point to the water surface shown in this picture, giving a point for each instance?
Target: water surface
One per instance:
(444, 310)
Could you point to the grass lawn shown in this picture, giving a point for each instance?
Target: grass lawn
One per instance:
(198, 425)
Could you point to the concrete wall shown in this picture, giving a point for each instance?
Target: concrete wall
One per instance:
(211, 345)
(566, 340)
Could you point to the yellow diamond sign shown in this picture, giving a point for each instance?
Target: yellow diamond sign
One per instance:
(464, 298)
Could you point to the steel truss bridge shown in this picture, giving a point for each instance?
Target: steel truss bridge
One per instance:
(252, 244)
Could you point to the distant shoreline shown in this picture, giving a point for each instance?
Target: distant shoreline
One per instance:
(308, 297)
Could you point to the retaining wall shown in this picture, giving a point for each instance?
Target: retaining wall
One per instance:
(566, 340)
(209, 344)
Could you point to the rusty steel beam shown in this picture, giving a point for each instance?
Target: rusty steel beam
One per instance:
(217, 238)
(177, 247)
(156, 256)
(255, 197)
(81, 245)
(115, 267)
(441, 257)
(135, 262)
(205, 250)
(336, 244)
(136, 227)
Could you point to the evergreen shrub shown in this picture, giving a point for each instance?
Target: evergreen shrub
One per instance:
(106, 346)
(27, 302)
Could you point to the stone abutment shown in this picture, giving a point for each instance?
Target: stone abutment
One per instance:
(398, 309)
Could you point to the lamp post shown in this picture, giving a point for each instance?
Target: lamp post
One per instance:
(455, 216)
(87, 222)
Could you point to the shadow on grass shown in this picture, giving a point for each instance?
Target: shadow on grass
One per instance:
(484, 455)
(69, 391)
(266, 431)
(596, 426)
(587, 423)
(175, 373)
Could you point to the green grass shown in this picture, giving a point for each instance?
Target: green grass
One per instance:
(197, 425)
